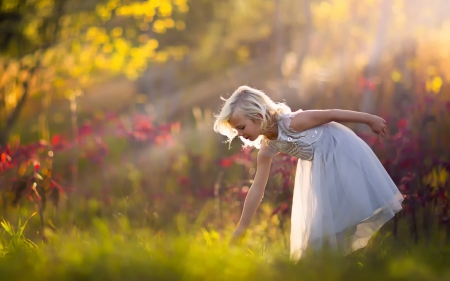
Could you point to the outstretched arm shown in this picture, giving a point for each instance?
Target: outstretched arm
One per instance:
(308, 119)
(254, 195)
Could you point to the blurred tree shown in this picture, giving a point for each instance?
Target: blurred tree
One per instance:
(62, 47)
(372, 69)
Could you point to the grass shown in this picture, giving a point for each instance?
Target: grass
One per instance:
(108, 252)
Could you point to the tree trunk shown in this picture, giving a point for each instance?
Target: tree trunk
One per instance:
(306, 36)
(304, 48)
(12, 118)
(278, 35)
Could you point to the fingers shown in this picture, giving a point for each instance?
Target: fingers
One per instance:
(383, 131)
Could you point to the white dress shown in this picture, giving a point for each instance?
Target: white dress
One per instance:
(342, 193)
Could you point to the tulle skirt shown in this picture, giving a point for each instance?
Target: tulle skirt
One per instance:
(341, 197)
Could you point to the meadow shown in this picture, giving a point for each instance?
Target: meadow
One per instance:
(109, 166)
(158, 218)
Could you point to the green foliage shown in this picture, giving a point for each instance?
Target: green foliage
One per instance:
(15, 239)
(60, 47)
(113, 251)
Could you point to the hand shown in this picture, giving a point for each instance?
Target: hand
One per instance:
(378, 125)
(237, 237)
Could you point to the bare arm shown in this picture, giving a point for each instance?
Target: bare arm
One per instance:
(256, 191)
(308, 119)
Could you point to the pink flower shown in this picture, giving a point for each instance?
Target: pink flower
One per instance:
(401, 124)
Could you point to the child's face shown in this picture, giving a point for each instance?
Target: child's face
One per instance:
(245, 127)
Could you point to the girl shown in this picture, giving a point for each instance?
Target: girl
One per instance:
(342, 193)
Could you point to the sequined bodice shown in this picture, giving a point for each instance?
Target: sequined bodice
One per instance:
(297, 144)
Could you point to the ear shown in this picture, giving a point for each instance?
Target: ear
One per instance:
(258, 120)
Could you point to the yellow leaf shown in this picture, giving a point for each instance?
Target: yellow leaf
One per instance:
(436, 84)
(148, 18)
(137, 9)
(117, 62)
(436, 177)
(148, 9)
(84, 79)
(76, 47)
(169, 23)
(143, 38)
(243, 53)
(177, 53)
(116, 32)
(130, 33)
(31, 30)
(135, 52)
(59, 82)
(92, 32)
(152, 44)
(111, 5)
(144, 26)
(85, 57)
(103, 12)
(428, 86)
(180, 25)
(161, 56)
(150, 53)
(443, 176)
(183, 8)
(207, 237)
(107, 48)
(76, 71)
(159, 26)
(100, 61)
(396, 76)
(132, 74)
(45, 171)
(101, 38)
(121, 45)
(165, 9)
(22, 169)
(138, 63)
(180, 2)
(123, 11)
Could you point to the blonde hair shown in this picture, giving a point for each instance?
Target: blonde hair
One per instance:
(255, 105)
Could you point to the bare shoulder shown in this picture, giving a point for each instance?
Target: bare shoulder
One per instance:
(307, 119)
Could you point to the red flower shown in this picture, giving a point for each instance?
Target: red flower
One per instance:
(225, 163)
(183, 180)
(365, 83)
(282, 208)
(56, 139)
(5, 157)
(37, 165)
